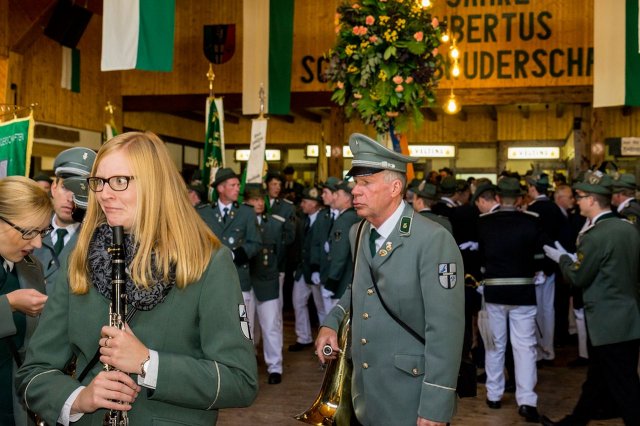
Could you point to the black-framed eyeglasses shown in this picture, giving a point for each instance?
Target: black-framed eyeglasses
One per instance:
(117, 183)
(29, 234)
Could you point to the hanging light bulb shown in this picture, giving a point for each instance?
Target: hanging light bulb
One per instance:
(425, 3)
(452, 106)
(455, 70)
(445, 37)
(454, 53)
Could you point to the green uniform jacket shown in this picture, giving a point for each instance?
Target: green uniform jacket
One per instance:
(206, 360)
(311, 248)
(264, 266)
(50, 261)
(442, 220)
(285, 208)
(30, 275)
(239, 232)
(395, 378)
(632, 213)
(339, 258)
(607, 273)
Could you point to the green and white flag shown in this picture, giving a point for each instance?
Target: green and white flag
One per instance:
(616, 76)
(214, 140)
(266, 55)
(138, 34)
(16, 140)
(70, 69)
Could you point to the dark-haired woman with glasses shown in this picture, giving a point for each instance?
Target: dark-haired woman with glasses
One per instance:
(25, 213)
(186, 352)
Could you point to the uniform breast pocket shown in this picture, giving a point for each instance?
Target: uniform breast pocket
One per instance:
(412, 365)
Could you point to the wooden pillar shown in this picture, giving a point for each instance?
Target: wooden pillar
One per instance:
(502, 157)
(4, 50)
(581, 158)
(337, 140)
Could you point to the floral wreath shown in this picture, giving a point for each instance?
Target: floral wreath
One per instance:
(385, 63)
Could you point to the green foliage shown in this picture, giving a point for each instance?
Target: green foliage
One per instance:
(383, 64)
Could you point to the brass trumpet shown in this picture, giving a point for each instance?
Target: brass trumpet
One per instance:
(333, 404)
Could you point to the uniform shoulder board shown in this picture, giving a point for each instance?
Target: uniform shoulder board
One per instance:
(534, 214)
(278, 218)
(235, 204)
(287, 201)
(214, 205)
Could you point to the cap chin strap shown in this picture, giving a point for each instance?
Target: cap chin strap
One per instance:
(362, 171)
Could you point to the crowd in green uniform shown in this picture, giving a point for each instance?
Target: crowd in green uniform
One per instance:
(427, 254)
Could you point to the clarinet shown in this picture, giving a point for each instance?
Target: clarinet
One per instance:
(117, 310)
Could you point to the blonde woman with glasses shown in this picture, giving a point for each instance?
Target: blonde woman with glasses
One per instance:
(186, 352)
(25, 213)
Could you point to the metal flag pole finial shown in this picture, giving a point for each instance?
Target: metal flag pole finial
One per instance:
(261, 97)
(210, 76)
(110, 108)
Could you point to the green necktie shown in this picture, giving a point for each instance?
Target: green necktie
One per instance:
(373, 236)
(61, 233)
(225, 213)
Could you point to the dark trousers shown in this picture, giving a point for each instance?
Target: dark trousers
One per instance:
(613, 370)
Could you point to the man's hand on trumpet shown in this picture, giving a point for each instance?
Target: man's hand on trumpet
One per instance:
(327, 337)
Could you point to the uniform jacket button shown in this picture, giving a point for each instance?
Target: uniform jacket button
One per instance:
(415, 371)
(363, 341)
(369, 292)
(365, 316)
(365, 365)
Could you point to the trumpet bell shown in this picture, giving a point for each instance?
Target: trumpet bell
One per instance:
(332, 406)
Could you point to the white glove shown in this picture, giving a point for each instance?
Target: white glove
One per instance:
(315, 278)
(555, 253)
(327, 247)
(539, 278)
(469, 245)
(327, 294)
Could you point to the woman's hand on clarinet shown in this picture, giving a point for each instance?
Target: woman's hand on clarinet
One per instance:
(113, 390)
(121, 349)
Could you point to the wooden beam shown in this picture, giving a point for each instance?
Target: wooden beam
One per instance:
(308, 115)
(524, 111)
(32, 32)
(462, 115)
(560, 107)
(305, 100)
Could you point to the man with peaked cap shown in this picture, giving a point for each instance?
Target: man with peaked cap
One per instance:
(624, 198)
(425, 195)
(234, 224)
(338, 262)
(551, 219)
(415, 267)
(307, 276)
(70, 163)
(509, 243)
(605, 267)
(263, 299)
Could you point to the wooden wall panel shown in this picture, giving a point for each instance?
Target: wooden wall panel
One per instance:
(540, 125)
(41, 73)
(4, 29)
(165, 124)
(189, 64)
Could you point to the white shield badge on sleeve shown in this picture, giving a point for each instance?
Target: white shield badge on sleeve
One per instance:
(244, 321)
(447, 275)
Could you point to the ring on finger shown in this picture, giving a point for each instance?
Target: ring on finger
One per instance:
(106, 342)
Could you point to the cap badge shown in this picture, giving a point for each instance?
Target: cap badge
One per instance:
(84, 156)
